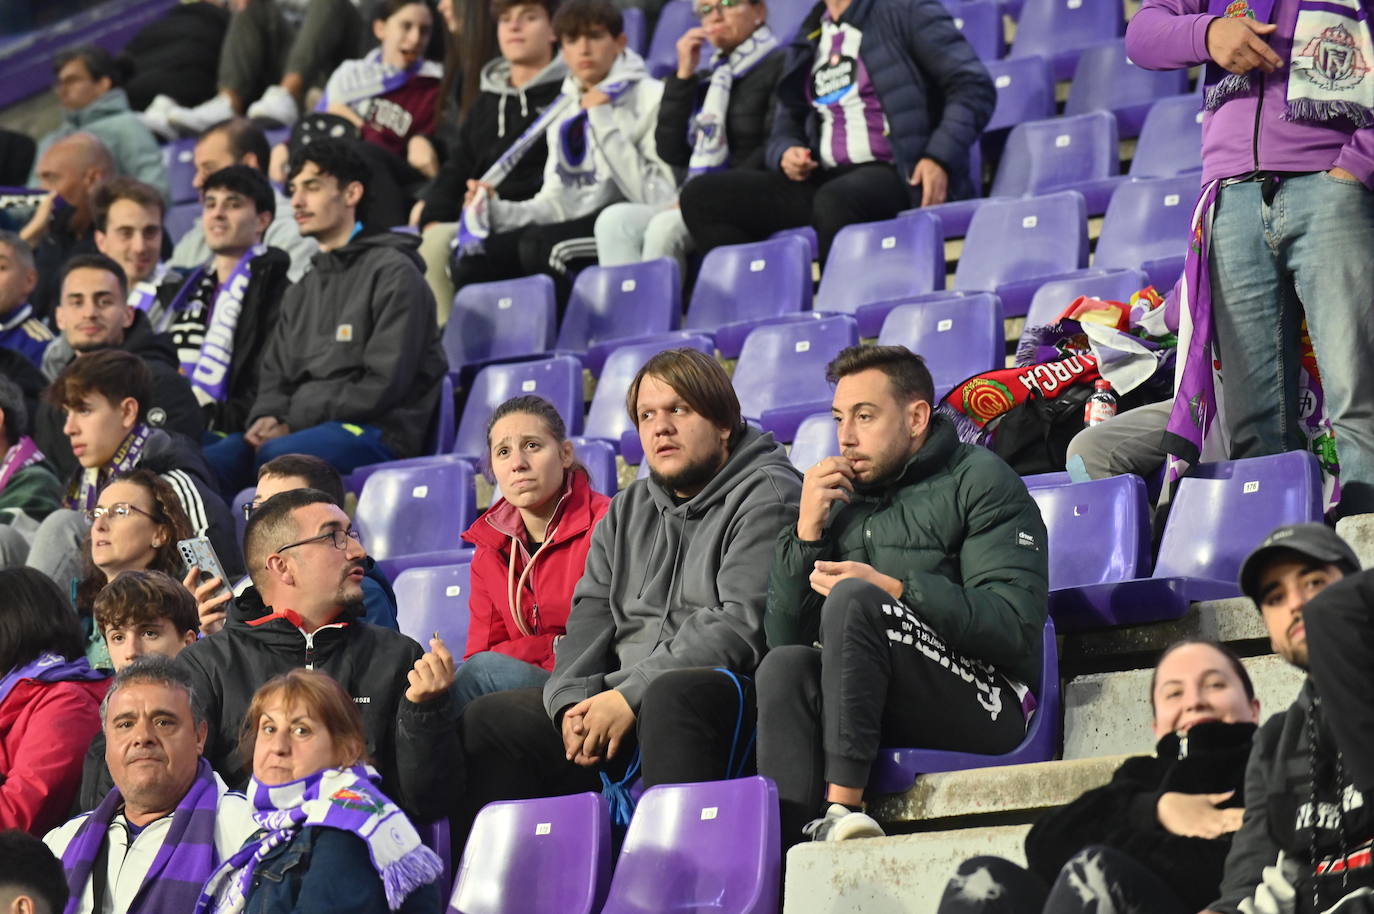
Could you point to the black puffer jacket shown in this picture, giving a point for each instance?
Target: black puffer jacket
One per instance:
(747, 120)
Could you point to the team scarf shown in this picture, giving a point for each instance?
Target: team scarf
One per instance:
(143, 296)
(185, 860)
(208, 372)
(21, 456)
(49, 667)
(83, 492)
(359, 80)
(1329, 67)
(706, 131)
(342, 798)
(974, 404)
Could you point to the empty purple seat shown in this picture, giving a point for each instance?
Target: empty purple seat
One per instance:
(1170, 141)
(815, 440)
(434, 599)
(613, 305)
(780, 376)
(980, 22)
(714, 846)
(405, 510)
(492, 321)
(1014, 246)
(1147, 228)
(874, 265)
(958, 337)
(806, 233)
(635, 28)
(1061, 30)
(181, 170)
(180, 218)
(895, 770)
(1066, 153)
(741, 286)
(557, 379)
(599, 459)
(546, 856)
(1025, 91)
(1107, 80)
(676, 17)
(1053, 297)
(393, 568)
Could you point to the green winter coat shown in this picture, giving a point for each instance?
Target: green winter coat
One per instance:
(31, 495)
(960, 531)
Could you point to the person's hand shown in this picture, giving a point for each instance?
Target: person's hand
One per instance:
(209, 605)
(797, 163)
(594, 97)
(1195, 815)
(1341, 174)
(598, 727)
(38, 223)
(264, 429)
(338, 109)
(277, 161)
(827, 482)
(422, 156)
(827, 574)
(432, 674)
(689, 52)
(933, 181)
(1238, 45)
(475, 188)
(416, 211)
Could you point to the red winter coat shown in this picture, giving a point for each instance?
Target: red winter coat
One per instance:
(544, 599)
(45, 728)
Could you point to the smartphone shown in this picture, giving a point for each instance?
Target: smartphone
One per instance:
(198, 553)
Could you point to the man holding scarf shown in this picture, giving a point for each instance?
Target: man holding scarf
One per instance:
(169, 821)
(1283, 228)
(220, 316)
(29, 490)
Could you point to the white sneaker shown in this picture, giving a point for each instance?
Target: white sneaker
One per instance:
(841, 824)
(206, 114)
(276, 105)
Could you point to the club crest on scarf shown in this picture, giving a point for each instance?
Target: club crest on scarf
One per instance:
(1332, 60)
(358, 802)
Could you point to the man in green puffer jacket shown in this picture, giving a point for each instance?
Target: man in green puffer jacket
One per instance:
(926, 589)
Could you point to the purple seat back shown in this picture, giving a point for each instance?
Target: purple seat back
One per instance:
(1057, 154)
(179, 219)
(873, 262)
(1107, 80)
(713, 846)
(435, 836)
(619, 303)
(1014, 246)
(1171, 139)
(675, 18)
(607, 418)
(441, 433)
(557, 379)
(958, 337)
(405, 510)
(500, 320)
(815, 440)
(599, 459)
(780, 376)
(1099, 531)
(1053, 297)
(636, 29)
(245, 497)
(434, 599)
(1147, 228)
(181, 170)
(806, 233)
(1025, 91)
(1061, 30)
(980, 22)
(743, 284)
(546, 856)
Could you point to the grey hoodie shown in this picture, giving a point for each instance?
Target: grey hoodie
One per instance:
(669, 587)
(133, 147)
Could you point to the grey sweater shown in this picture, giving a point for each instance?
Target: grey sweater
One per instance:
(669, 587)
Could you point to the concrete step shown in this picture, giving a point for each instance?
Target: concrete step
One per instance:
(1236, 623)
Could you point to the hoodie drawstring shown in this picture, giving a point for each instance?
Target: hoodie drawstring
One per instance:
(501, 118)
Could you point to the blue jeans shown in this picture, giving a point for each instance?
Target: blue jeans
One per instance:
(487, 671)
(1306, 252)
(345, 446)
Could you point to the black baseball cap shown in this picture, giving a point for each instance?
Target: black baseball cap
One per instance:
(1316, 541)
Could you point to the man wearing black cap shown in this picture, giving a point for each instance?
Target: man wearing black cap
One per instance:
(1317, 606)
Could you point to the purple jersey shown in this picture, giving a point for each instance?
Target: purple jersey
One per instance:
(853, 126)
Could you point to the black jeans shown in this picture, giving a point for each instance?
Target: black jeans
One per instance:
(743, 205)
(1096, 880)
(558, 250)
(882, 677)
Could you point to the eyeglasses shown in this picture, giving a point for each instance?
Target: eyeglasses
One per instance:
(118, 509)
(339, 538)
(705, 9)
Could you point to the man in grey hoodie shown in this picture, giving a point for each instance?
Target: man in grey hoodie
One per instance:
(675, 583)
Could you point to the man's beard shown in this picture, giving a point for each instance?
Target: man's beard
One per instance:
(688, 478)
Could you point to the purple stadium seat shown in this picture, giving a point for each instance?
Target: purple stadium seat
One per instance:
(980, 22)
(405, 510)
(435, 836)
(635, 28)
(1015, 246)
(181, 171)
(1053, 297)
(1066, 153)
(557, 379)
(607, 418)
(1060, 478)
(676, 17)
(433, 599)
(1170, 141)
(1060, 30)
(1147, 228)
(895, 770)
(806, 233)
(393, 568)
(599, 459)
(958, 337)
(544, 856)
(1025, 91)
(714, 846)
(245, 497)
(780, 376)
(741, 286)
(1107, 80)
(179, 219)
(492, 321)
(785, 17)
(815, 440)
(874, 265)
(441, 434)
(614, 305)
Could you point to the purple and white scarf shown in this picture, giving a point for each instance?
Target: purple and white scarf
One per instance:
(1329, 69)
(359, 80)
(706, 131)
(208, 372)
(49, 667)
(82, 493)
(20, 456)
(143, 295)
(185, 860)
(343, 798)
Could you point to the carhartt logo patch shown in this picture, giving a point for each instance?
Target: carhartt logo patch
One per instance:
(343, 333)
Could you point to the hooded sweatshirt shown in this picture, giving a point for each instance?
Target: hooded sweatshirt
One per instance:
(498, 116)
(131, 144)
(619, 137)
(357, 342)
(670, 586)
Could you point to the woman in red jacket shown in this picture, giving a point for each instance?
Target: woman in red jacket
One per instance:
(49, 702)
(531, 548)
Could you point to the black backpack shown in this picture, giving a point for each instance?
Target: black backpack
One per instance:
(1034, 436)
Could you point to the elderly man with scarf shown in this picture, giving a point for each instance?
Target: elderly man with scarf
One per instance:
(1282, 230)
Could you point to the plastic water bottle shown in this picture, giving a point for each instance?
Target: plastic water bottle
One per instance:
(1101, 406)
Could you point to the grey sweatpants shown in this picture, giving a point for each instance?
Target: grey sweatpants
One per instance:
(260, 46)
(1129, 442)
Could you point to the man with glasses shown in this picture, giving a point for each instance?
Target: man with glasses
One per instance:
(307, 567)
